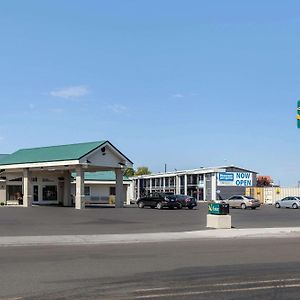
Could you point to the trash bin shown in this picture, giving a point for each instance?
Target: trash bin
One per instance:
(218, 209)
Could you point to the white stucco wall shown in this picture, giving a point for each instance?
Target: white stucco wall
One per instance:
(101, 191)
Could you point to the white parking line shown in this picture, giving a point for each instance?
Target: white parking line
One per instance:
(219, 284)
(218, 291)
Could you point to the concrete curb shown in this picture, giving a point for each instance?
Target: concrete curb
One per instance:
(102, 239)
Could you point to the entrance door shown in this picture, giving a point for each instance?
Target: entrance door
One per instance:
(35, 193)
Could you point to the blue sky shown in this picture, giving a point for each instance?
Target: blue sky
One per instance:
(186, 83)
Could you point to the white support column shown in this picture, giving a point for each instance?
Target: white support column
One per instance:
(198, 179)
(119, 188)
(185, 184)
(177, 180)
(138, 188)
(67, 189)
(164, 184)
(79, 197)
(27, 189)
(150, 185)
(204, 187)
(213, 186)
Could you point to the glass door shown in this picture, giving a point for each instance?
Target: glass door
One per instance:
(35, 193)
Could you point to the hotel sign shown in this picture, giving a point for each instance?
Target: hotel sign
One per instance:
(234, 179)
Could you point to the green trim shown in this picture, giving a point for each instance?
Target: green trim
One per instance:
(101, 176)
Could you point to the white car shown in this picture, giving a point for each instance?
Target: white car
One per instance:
(242, 201)
(291, 202)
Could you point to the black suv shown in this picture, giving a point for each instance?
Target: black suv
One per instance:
(158, 200)
(186, 201)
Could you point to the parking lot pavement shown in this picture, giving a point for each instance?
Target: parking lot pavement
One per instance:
(50, 220)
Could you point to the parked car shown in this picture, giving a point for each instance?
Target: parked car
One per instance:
(186, 201)
(159, 200)
(242, 201)
(290, 202)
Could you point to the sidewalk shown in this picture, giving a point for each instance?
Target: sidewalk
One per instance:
(103, 239)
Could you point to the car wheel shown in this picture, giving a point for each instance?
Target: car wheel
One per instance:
(141, 204)
(179, 206)
(190, 207)
(277, 205)
(243, 206)
(159, 205)
(294, 206)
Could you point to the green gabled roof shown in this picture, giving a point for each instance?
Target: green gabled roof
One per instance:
(53, 153)
(2, 156)
(101, 176)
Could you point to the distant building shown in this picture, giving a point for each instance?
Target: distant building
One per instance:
(203, 183)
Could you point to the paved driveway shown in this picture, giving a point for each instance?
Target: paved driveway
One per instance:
(43, 220)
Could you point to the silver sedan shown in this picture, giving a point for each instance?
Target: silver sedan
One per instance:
(290, 202)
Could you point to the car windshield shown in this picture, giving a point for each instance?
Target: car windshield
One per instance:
(170, 196)
(248, 197)
(298, 198)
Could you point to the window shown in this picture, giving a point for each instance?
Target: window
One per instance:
(47, 180)
(87, 191)
(112, 190)
(167, 181)
(14, 192)
(172, 181)
(16, 179)
(50, 193)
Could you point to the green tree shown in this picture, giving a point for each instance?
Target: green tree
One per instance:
(142, 171)
(129, 172)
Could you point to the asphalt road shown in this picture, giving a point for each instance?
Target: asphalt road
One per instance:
(41, 220)
(202, 269)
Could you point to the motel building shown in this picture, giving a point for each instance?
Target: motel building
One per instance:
(74, 174)
(204, 184)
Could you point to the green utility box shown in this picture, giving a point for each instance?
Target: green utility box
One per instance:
(218, 209)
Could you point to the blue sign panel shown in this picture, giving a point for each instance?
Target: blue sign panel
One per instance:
(226, 176)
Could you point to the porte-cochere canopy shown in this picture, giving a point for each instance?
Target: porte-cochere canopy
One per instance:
(60, 161)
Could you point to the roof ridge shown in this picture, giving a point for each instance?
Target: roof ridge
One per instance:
(44, 147)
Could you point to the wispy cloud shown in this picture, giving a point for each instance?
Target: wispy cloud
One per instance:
(178, 95)
(117, 108)
(71, 92)
(57, 110)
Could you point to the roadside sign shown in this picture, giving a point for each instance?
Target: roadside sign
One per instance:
(218, 208)
(298, 116)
